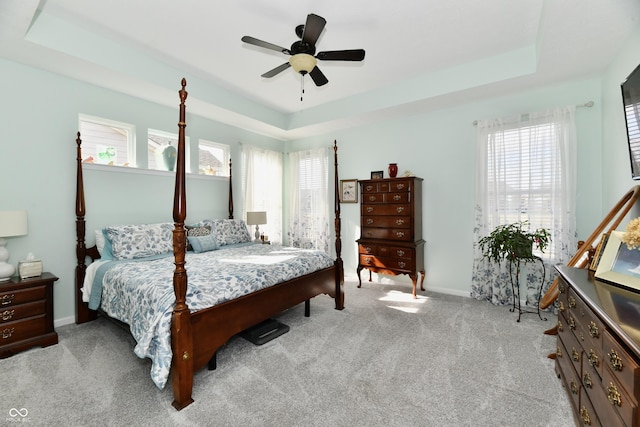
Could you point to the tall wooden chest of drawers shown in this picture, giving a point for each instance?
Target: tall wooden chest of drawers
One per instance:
(598, 349)
(26, 314)
(391, 228)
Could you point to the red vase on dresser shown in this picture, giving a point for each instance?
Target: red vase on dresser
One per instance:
(393, 170)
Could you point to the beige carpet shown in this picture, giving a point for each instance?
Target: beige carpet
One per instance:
(386, 360)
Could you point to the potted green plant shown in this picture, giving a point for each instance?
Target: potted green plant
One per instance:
(514, 242)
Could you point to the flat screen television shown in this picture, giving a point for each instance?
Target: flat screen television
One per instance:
(631, 99)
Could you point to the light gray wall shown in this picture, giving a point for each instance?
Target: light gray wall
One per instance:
(439, 147)
(39, 113)
(615, 155)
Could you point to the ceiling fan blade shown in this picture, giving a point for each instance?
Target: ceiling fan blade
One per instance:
(277, 70)
(341, 55)
(318, 78)
(256, 42)
(312, 29)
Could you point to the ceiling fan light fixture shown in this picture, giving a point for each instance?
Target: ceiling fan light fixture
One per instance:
(303, 63)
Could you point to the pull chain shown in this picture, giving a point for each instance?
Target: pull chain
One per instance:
(301, 86)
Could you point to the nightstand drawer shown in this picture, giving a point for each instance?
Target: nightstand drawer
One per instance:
(22, 311)
(23, 329)
(19, 296)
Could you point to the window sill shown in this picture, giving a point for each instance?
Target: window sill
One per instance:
(139, 171)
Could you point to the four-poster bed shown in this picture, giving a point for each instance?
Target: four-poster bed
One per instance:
(197, 334)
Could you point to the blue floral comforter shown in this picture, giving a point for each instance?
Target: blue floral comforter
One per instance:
(140, 292)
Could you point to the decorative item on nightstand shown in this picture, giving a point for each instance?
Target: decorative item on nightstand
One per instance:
(30, 267)
(12, 223)
(257, 218)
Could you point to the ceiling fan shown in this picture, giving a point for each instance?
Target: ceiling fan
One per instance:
(302, 51)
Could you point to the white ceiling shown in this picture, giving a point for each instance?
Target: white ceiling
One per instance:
(420, 54)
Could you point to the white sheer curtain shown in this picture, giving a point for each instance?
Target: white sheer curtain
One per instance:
(262, 187)
(309, 206)
(526, 171)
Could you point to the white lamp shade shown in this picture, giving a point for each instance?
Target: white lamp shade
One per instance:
(256, 218)
(13, 223)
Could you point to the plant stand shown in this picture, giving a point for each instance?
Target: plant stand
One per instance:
(515, 287)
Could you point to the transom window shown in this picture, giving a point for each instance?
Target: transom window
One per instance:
(213, 158)
(162, 149)
(107, 142)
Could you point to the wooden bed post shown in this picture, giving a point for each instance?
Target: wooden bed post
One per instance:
(230, 191)
(337, 224)
(83, 314)
(181, 332)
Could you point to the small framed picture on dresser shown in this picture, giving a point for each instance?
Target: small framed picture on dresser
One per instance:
(377, 174)
(349, 190)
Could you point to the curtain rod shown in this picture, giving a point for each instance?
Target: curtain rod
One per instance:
(588, 104)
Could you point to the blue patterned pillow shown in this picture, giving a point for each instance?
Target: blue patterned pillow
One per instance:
(228, 231)
(140, 241)
(203, 243)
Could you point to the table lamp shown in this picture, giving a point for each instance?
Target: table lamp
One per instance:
(257, 218)
(12, 223)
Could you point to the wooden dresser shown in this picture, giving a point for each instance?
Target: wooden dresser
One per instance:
(26, 314)
(598, 349)
(391, 228)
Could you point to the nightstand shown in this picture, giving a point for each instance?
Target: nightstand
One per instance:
(26, 314)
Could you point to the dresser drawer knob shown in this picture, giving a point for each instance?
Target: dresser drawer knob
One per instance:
(7, 299)
(574, 387)
(584, 414)
(368, 249)
(614, 360)
(369, 221)
(369, 187)
(572, 302)
(400, 252)
(572, 323)
(7, 315)
(401, 264)
(558, 352)
(586, 380)
(369, 209)
(6, 333)
(561, 305)
(372, 198)
(399, 221)
(368, 260)
(397, 197)
(613, 395)
(575, 355)
(400, 234)
(560, 326)
(400, 186)
(593, 358)
(400, 209)
(593, 330)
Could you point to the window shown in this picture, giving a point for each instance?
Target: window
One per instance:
(107, 142)
(162, 148)
(213, 158)
(262, 187)
(526, 171)
(309, 200)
